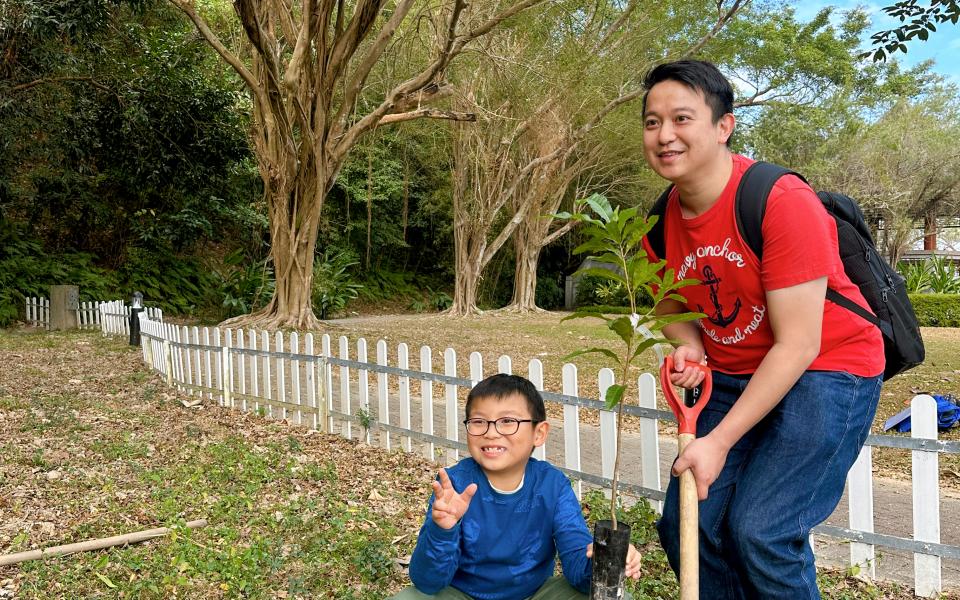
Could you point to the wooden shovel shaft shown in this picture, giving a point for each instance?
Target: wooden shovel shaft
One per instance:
(689, 531)
(117, 540)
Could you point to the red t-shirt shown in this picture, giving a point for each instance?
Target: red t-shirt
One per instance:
(799, 245)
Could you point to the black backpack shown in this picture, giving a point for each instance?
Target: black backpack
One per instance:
(880, 284)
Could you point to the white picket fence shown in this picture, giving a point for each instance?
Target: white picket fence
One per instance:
(114, 317)
(325, 384)
(38, 313)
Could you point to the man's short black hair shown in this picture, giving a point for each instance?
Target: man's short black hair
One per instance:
(502, 385)
(698, 75)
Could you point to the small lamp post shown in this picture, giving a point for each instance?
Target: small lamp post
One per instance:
(136, 307)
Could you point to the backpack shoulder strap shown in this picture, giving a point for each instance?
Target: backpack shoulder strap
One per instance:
(751, 201)
(656, 236)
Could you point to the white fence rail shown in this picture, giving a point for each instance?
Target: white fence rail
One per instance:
(418, 408)
(38, 313)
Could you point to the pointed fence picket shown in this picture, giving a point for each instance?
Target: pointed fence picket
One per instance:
(268, 379)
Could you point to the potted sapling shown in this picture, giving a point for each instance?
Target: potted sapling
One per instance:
(613, 237)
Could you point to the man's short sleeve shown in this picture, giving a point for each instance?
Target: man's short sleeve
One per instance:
(799, 237)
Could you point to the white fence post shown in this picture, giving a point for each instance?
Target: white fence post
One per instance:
(254, 371)
(167, 359)
(311, 383)
(295, 396)
(608, 428)
(363, 385)
(403, 362)
(452, 419)
(476, 368)
(346, 430)
(505, 365)
(926, 496)
(649, 438)
(208, 361)
(267, 372)
(327, 384)
(571, 425)
(860, 486)
(383, 397)
(426, 395)
(535, 375)
(227, 368)
(281, 376)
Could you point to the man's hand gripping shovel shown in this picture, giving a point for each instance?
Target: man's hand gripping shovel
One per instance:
(687, 413)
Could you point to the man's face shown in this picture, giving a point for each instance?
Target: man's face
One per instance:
(502, 456)
(680, 139)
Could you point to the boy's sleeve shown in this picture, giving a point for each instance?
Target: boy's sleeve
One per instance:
(572, 537)
(436, 557)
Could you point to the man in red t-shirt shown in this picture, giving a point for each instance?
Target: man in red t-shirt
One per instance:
(796, 379)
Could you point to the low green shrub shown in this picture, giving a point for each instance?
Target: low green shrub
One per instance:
(244, 285)
(26, 270)
(549, 294)
(937, 310)
(333, 284)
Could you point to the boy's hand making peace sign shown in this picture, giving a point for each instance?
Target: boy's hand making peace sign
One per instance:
(448, 505)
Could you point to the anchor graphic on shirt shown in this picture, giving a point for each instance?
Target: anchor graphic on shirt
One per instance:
(717, 318)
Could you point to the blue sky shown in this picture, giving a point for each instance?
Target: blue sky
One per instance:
(943, 46)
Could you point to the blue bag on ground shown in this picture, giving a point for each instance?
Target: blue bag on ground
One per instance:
(948, 414)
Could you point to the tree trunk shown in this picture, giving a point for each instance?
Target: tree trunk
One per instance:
(469, 254)
(294, 204)
(527, 250)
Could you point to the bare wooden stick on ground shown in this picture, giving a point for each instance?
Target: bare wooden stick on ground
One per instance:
(117, 540)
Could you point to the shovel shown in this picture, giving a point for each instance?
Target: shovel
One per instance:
(687, 412)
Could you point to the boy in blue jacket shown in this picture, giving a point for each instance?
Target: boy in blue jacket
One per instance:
(497, 537)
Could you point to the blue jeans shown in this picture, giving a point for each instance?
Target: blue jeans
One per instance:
(780, 480)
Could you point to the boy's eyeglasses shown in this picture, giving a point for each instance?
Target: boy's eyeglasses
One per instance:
(503, 425)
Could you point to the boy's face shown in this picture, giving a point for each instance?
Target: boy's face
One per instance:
(680, 139)
(504, 457)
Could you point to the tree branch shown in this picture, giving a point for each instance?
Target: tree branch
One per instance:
(26, 86)
(295, 66)
(558, 233)
(187, 8)
(723, 19)
(373, 55)
(430, 113)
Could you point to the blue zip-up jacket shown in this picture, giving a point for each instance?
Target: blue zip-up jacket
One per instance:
(504, 546)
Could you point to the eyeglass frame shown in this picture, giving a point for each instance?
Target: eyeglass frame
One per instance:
(496, 426)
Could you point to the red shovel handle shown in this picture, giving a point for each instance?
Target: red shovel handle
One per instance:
(686, 415)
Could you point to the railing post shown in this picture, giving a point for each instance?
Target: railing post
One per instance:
(926, 496)
(227, 376)
(535, 375)
(168, 361)
(608, 429)
(860, 484)
(452, 419)
(649, 438)
(571, 425)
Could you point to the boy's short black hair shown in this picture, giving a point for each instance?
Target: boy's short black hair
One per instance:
(698, 75)
(502, 385)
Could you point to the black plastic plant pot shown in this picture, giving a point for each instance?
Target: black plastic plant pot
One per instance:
(609, 560)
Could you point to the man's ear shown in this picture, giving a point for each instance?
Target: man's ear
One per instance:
(725, 126)
(540, 433)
